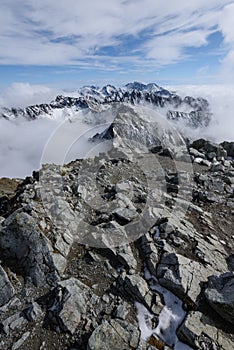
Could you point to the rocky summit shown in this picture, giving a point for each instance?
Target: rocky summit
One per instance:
(131, 249)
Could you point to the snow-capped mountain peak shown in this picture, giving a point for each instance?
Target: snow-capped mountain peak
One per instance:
(194, 111)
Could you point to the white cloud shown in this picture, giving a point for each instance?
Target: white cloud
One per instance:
(221, 100)
(227, 29)
(25, 94)
(169, 49)
(226, 23)
(21, 145)
(64, 32)
(22, 142)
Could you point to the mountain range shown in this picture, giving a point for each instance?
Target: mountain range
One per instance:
(194, 112)
(130, 247)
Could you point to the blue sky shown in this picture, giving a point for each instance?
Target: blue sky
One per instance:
(67, 44)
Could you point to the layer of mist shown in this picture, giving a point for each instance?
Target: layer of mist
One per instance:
(22, 142)
(221, 100)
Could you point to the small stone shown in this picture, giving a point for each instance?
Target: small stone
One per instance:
(217, 167)
(14, 322)
(20, 341)
(34, 312)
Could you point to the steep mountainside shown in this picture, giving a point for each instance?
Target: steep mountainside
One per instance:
(132, 249)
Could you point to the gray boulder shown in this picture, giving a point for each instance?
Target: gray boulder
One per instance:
(74, 302)
(28, 250)
(229, 147)
(6, 289)
(182, 276)
(15, 322)
(209, 147)
(196, 153)
(135, 288)
(33, 312)
(199, 332)
(220, 295)
(116, 335)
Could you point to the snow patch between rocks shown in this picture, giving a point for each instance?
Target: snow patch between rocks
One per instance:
(171, 316)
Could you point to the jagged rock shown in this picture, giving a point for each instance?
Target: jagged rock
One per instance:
(123, 187)
(200, 333)
(28, 250)
(211, 156)
(117, 335)
(207, 147)
(6, 289)
(181, 248)
(182, 276)
(125, 256)
(197, 118)
(132, 131)
(135, 288)
(122, 311)
(198, 144)
(220, 295)
(229, 147)
(149, 252)
(202, 161)
(129, 130)
(125, 215)
(74, 302)
(64, 240)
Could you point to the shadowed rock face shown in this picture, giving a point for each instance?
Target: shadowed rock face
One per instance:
(134, 93)
(229, 147)
(81, 243)
(220, 295)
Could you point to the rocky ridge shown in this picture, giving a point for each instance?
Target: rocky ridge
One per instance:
(194, 112)
(88, 247)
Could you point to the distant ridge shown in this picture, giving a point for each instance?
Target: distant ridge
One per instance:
(194, 111)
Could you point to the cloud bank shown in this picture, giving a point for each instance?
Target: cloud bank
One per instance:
(221, 100)
(25, 94)
(22, 142)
